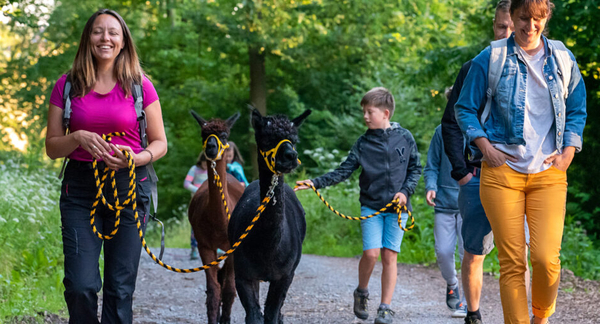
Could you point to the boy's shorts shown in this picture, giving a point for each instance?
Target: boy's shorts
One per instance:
(381, 230)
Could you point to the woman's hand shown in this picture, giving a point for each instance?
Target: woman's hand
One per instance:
(562, 161)
(301, 186)
(491, 155)
(118, 159)
(93, 143)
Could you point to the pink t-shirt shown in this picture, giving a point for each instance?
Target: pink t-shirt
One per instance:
(105, 113)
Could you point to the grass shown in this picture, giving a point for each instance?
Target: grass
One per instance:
(31, 267)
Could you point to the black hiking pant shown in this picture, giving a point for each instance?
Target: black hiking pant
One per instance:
(81, 247)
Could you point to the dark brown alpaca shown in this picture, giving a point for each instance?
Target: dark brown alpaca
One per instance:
(209, 220)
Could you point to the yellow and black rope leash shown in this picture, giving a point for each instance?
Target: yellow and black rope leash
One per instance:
(131, 198)
(393, 204)
(213, 166)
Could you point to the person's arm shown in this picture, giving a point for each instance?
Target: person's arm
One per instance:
(343, 172)
(60, 145)
(472, 95)
(413, 170)
(188, 182)
(432, 167)
(157, 142)
(452, 136)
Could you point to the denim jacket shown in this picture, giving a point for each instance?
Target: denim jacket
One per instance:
(506, 120)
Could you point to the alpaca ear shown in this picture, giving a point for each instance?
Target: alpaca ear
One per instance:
(256, 118)
(296, 122)
(199, 119)
(231, 120)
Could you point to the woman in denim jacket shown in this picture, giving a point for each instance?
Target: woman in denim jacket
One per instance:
(528, 142)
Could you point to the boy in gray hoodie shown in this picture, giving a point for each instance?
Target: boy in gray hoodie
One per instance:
(391, 169)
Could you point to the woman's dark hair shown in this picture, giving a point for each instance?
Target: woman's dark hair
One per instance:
(538, 9)
(127, 69)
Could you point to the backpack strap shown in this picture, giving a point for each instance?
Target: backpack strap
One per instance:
(138, 98)
(67, 94)
(497, 60)
(67, 102)
(565, 64)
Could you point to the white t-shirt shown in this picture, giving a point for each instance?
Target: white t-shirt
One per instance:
(540, 142)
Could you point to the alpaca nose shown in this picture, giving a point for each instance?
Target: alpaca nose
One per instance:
(290, 155)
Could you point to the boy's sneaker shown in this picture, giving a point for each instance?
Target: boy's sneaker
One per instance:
(461, 311)
(384, 316)
(473, 320)
(360, 304)
(452, 297)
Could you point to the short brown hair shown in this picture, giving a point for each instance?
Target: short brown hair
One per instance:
(381, 98)
(503, 5)
(538, 9)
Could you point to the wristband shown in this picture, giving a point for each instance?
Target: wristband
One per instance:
(151, 155)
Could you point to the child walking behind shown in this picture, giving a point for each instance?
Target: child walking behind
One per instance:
(391, 169)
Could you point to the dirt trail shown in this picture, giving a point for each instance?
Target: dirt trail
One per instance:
(322, 293)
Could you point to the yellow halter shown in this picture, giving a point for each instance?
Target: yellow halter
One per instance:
(220, 145)
(269, 155)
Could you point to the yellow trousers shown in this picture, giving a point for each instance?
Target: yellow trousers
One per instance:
(507, 196)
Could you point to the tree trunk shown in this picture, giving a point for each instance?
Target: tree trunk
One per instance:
(258, 93)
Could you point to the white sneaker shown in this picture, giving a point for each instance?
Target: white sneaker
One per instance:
(461, 311)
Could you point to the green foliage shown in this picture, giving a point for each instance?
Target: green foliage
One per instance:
(31, 270)
(578, 252)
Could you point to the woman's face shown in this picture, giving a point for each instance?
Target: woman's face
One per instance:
(106, 38)
(528, 29)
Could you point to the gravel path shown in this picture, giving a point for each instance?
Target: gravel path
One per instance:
(322, 293)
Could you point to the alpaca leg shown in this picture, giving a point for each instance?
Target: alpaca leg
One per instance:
(227, 289)
(275, 298)
(248, 291)
(213, 288)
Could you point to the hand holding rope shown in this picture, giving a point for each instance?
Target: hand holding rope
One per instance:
(393, 204)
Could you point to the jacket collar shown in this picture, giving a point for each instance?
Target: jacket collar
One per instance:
(382, 131)
(511, 46)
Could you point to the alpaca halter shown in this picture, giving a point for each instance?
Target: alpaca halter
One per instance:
(270, 155)
(220, 145)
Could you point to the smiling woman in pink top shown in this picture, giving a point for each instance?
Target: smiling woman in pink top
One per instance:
(103, 76)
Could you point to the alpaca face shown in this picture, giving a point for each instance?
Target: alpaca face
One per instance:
(278, 132)
(220, 129)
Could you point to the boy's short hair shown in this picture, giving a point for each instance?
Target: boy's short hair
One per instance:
(379, 97)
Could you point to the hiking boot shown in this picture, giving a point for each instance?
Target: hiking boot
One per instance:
(452, 297)
(461, 311)
(384, 316)
(194, 254)
(473, 320)
(360, 305)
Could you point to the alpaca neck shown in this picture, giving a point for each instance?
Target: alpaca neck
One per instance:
(274, 211)
(214, 193)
